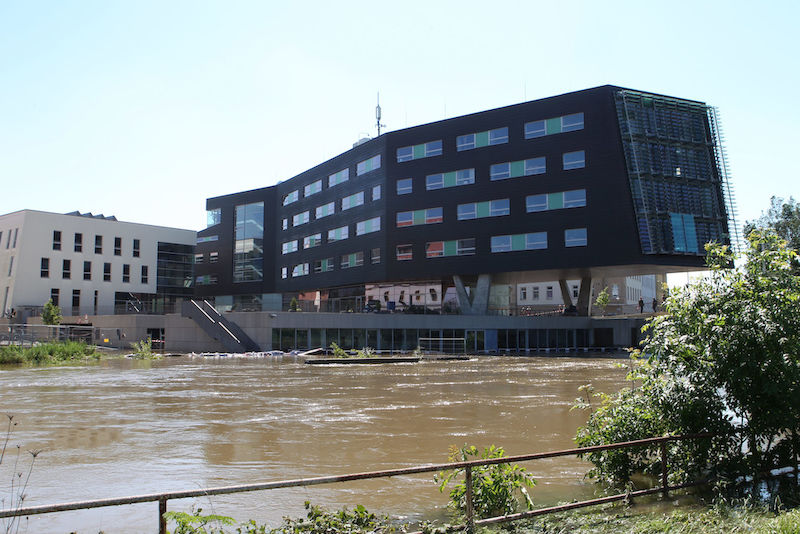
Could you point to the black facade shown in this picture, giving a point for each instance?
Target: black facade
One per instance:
(557, 185)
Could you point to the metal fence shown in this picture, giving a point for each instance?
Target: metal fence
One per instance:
(471, 521)
(29, 334)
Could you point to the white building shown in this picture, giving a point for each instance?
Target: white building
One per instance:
(91, 264)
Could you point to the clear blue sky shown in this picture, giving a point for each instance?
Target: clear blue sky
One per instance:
(143, 109)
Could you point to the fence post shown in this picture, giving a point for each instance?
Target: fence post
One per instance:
(470, 512)
(162, 521)
(664, 486)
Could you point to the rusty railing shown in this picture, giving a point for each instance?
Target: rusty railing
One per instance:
(471, 522)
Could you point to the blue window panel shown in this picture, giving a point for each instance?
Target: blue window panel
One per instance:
(536, 203)
(465, 142)
(678, 234)
(575, 199)
(575, 237)
(574, 160)
(404, 186)
(691, 233)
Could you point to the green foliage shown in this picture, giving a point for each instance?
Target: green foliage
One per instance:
(321, 521)
(49, 353)
(338, 352)
(196, 523)
(51, 314)
(781, 217)
(143, 350)
(367, 352)
(725, 358)
(293, 305)
(497, 489)
(602, 300)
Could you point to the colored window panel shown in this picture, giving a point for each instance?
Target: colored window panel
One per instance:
(481, 139)
(324, 210)
(312, 188)
(536, 241)
(300, 218)
(535, 129)
(465, 247)
(424, 150)
(300, 270)
(500, 171)
(323, 266)
(574, 160)
(339, 177)
(338, 234)
(555, 201)
(575, 237)
(570, 123)
(451, 248)
(353, 200)
(404, 253)
(498, 136)
(376, 193)
(405, 218)
(575, 198)
(535, 203)
(404, 186)
(312, 241)
(535, 166)
(465, 142)
(291, 197)
(518, 168)
(433, 215)
(553, 126)
(368, 226)
(556, 125)
(467, 211)
(501, 243)
(405, 153)
(419, 217)
(368, 165)
(434, 249)
(499, 207)
(289, 247)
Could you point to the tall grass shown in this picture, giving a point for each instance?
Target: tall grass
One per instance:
(49, 353)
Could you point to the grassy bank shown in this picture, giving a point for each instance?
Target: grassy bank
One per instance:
(49, 353)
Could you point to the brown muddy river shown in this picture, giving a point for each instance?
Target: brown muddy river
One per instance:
(123, 427)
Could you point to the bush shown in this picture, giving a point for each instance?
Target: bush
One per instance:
(497, 489)
(49, 353)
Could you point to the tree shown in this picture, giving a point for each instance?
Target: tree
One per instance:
(293, 306)
(725, 359)
(783, 218)
(51, 314)
(602, 300)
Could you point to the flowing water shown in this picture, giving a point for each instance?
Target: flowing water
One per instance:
(124, 427)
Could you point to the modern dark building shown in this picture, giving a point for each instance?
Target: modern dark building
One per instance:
(456, 215)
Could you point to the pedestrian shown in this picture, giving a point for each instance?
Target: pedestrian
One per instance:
(641, 305)
(655, 305)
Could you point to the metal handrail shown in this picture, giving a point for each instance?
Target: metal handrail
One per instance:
(163, 497)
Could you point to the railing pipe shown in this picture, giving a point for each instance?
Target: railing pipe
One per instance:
(470, 511)
(664, 488)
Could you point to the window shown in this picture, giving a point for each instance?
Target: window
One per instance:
(117, 246)
(338, 177)
(284, 224)
(567, 123)
(338, 234)
(207, 280)
(66, 269)
(145, 277)
(434, 249)
(126, 273)
(450, 179)
(56, 239)
(10, 265)
(203, 239)
(323, 266)
(489, 208)
(87, 270)
(413, 218)
(523, 293)
(213, 217)
(554, 201)
(575, 291)
(368, 165)
(515, 169)
(424, 150)
(294, 196)
(106, 272)
(136, 246)
(368, 226)
(376, 193)
(535, 293)
(198, 259)
(404, 186)
(312, 189)
(509, 243)
(300, 270)
(356, 259)
(78, 243)
(213, 257)
(76, 300)
(549, 292)
(684, 232)
(459, 247)
(575, 237)
(325, 210)
(284, 272)
(404, 253)
(311, 241)
(574, 160)
(352, 201)
(375, 255)
(44, 269)
(98, 244)
(248, 245)
(464, 247)
(54, 293)
(289, 247)
(300, 218)
(481, 139)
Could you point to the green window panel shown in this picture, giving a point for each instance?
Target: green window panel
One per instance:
(481, 139)
(419, 151)
(517, 169)
(419, 217)
(554, 126)
(555, 201)
(450, 179)
(518, 242)
(450, 248)
(483, 209)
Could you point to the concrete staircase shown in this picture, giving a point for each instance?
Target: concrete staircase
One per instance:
(218, 327)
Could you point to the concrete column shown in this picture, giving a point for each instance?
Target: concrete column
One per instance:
(464, 303)
(585, 296)
(479, 303)
(565, 294)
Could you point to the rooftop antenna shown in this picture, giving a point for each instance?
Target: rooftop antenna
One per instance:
(378, 115)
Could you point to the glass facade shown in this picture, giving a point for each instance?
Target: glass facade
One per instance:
(248, 253)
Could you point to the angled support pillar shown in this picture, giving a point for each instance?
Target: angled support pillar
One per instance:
(464, 303)
(585, 296)
(479, 303)
(565, 293)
